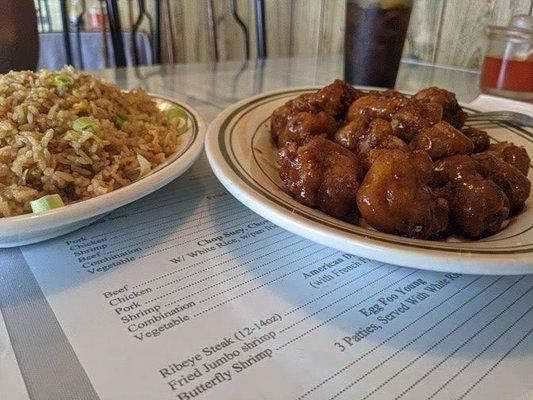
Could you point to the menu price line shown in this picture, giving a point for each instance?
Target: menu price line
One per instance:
(247, 331)
(221, 361)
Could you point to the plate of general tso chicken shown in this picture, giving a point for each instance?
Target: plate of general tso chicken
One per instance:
(400, 178)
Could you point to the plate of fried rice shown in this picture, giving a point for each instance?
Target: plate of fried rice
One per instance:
(74, 147)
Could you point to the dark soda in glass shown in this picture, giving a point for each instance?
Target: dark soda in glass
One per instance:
(375, 34)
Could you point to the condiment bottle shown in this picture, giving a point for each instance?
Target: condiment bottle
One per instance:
(507, 68)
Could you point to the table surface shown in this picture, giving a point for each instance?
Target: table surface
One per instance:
(48, 363)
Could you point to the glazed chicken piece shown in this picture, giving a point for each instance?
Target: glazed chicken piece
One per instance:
(407, 116)
(362, 136)
(303, 124)
(414, 117)
(454, 168)
(442, 140)
(513, 182)
(305, 102)
(279, 119)
(452, 111)
(394, 196)
(281, 115)
(322, 174)
(510, 153)
(349, 135)
(333, 100)
(379, 135)
(478, 137)
(478, 207)
(377, 105)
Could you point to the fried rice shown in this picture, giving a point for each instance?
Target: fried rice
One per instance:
(41, 153)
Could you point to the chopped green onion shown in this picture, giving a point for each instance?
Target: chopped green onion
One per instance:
(85, 123)
(63, 80)
(46, 203)
(120, 118)
(177, 113)
(181, 114)
(184, 128)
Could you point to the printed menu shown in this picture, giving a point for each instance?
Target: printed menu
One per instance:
(187, 294)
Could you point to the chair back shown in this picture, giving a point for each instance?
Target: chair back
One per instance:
(146, 34)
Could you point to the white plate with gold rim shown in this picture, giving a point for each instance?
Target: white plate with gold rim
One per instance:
(243, 158)
(32, 228)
